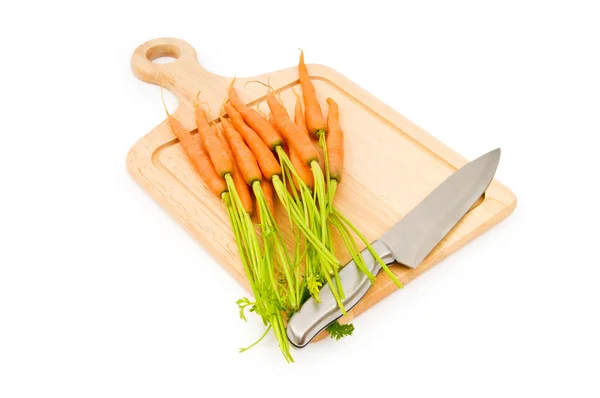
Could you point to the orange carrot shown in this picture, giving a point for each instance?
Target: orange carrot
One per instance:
(243, 156)
(255, 120)
(299, 116)
(268, 191)
(266, 160)
(272, 121)
(199, 157)
(320, 152)
(242, 189)
(303, 170)
(314, 116)
(335, 142)
(292, 133)
(214, 146)
(299, 120)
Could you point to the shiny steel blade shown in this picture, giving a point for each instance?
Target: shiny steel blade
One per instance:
(408, 242)
(413, 238)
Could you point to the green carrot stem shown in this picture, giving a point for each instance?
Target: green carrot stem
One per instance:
(339, 286)
(247, 228)
(330, 191)
(284, 341)
(273, 236)
(306, 196)
(371, 250)
(332, 185)
(321, 198)
(352, 247)
(270, 269)
(335, 293)
(281, 337)
(297, 218)
(236, 233)
(257, 341)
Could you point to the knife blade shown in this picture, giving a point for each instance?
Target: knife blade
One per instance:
(407, 243)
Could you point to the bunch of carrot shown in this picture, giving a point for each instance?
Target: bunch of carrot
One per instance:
(244, 154)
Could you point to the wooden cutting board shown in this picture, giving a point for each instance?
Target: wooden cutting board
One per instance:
(381, 146)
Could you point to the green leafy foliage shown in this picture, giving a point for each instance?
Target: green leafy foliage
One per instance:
(336, 330)
(313, 284)
(244, 303)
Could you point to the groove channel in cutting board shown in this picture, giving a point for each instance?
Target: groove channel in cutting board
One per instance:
(391, 164)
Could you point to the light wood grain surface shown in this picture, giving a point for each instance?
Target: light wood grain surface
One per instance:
(390, 166)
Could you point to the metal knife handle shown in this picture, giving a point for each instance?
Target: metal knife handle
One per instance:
(313, 317)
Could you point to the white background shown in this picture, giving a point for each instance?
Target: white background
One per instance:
(103, 294)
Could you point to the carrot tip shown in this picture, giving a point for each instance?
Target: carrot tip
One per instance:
(295, 93)
(208, 116)
(301, 56)
(267, 85)
(196, 100)
(260, 110)
(222, 109)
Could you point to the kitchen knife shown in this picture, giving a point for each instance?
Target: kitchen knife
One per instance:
(407, 243)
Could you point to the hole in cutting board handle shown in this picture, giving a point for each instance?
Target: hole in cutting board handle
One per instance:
(163, 53)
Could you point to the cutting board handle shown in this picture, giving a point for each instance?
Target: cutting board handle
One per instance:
(184, 76)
